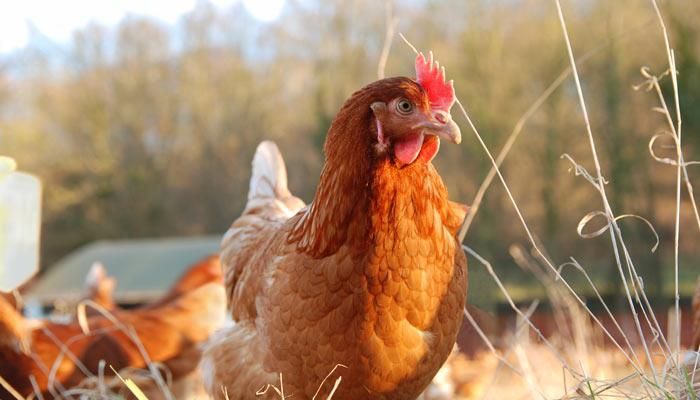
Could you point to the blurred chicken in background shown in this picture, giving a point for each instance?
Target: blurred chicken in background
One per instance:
(12, 298)
(167, 332)
(99, 288)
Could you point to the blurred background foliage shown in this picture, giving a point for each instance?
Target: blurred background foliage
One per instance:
(145, 130)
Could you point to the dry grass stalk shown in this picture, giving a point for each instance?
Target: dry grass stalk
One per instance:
(651, 384)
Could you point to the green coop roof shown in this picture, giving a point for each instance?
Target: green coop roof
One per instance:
(144, 268)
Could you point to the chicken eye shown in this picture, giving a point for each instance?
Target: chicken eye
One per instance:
(404, 107)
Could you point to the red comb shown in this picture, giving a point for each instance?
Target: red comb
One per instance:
(432, 78)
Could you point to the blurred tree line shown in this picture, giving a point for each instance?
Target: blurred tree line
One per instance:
(144, 130)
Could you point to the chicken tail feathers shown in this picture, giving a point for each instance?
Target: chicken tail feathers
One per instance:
(269, 180)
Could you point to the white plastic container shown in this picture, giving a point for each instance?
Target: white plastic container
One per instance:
(20, 225)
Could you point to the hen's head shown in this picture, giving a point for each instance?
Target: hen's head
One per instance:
(411, 116)
(392, 123)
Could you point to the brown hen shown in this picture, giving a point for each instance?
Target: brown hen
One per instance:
(170, 332)
(369, 275)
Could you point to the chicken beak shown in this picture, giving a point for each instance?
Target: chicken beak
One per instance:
(442, 126)
(450, 132)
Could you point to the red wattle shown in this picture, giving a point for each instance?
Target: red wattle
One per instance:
(431, 145)
(407, 149)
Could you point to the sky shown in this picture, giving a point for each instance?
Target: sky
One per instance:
(59, 19)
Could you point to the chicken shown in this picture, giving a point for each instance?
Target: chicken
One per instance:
(369, 276)
(13, 330)
(13, 299)
(207, 270)
(170, 333)
(99, 288)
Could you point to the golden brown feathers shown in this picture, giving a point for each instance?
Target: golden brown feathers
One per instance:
(369, 275)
